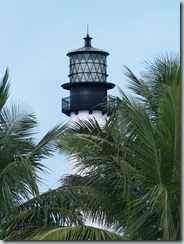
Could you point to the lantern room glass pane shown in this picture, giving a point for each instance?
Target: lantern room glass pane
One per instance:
(88, 67)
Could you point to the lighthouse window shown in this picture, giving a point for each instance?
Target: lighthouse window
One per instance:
(80, 68)
(88, 67)
(87, 57)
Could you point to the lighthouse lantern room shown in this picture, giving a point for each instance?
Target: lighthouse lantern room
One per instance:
(88, 83)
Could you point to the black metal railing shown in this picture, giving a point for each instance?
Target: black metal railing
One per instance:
(66, 103)
(87, 102)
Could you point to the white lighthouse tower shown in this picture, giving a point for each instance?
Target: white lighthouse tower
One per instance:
(88, 84)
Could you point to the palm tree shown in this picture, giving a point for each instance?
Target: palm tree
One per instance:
(131, 166)
(20, 155)
(128, 171)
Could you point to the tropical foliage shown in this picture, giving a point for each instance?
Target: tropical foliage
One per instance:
(127, 172)
(131, 166)
(20, 155)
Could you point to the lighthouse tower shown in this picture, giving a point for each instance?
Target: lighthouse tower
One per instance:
(88, 84)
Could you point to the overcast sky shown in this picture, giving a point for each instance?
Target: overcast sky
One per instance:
(35, 36)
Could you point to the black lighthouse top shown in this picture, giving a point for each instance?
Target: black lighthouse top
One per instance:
(88, 79)
(87, 47)
(87, 64)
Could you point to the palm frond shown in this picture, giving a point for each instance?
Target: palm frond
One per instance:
(49, 143)
(4, 89)
(154, 206)
(17, 183)
(58, 207)
(74, 233)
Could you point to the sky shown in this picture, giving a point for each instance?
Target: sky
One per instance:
(35, 36)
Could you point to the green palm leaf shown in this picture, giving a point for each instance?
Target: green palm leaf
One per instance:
(4, 89)
(76, 233)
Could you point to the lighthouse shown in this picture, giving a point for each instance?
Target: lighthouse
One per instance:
(88, 88)
(87, 84)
